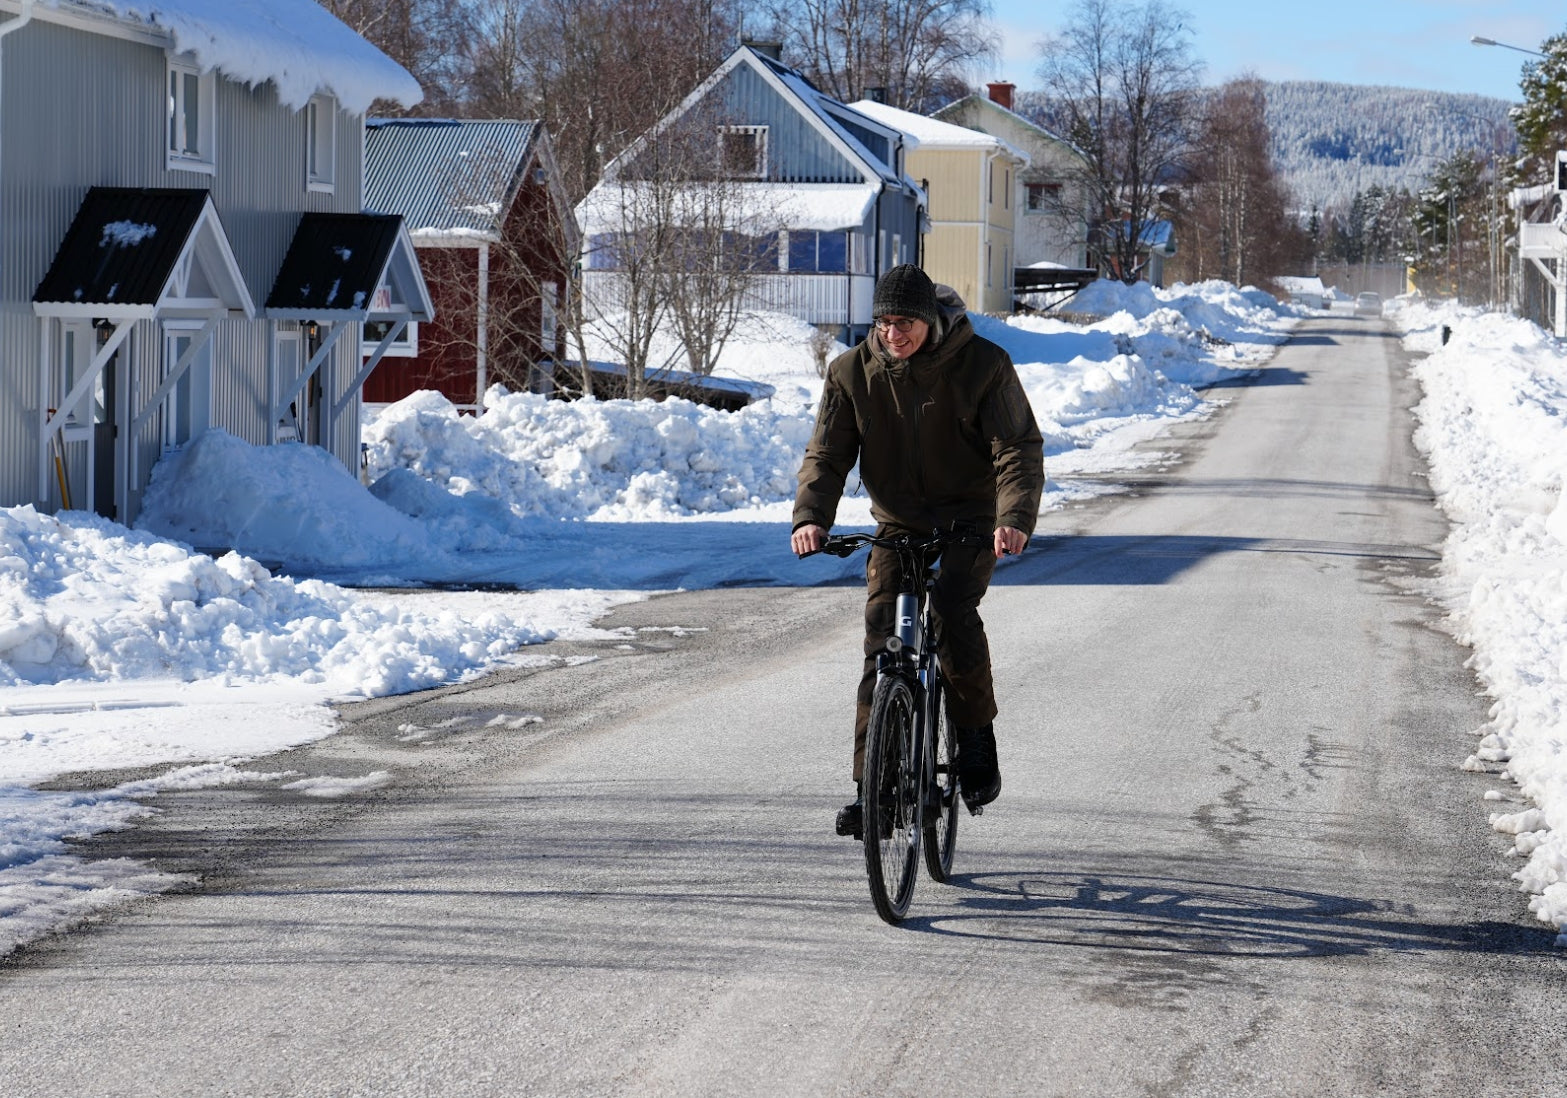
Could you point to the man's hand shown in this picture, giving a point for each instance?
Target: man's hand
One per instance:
(1008, 541)
(809, 538)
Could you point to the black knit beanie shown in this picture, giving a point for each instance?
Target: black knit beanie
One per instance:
(906, 291)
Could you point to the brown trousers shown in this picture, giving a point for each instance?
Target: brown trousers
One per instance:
(961, 581)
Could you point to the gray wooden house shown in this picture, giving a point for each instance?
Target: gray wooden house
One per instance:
(182, 242)
(825, 184)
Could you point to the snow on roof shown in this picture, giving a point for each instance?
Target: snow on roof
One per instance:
(296, 44)
(820, 206)
(932, 133)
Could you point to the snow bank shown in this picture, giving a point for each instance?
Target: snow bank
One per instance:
(82, 598)
(613, 460)
(1493, 423)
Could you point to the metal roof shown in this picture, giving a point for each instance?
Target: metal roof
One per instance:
(443, 173)
(334, 263)
(122, 246)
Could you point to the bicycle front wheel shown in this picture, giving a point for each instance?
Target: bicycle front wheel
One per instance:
(893, 784)
(941, 805)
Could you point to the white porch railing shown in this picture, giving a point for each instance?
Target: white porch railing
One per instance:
(828, 299)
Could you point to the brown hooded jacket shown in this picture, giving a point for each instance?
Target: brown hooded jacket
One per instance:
(946, 436)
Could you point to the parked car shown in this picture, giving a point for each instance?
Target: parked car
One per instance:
(1368, 304)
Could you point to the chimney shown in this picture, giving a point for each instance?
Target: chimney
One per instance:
(1001, 93)
(876, 95)
(773, 50)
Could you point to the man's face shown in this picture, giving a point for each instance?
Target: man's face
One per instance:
(902, 335)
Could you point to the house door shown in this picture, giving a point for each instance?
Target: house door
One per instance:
(82, 453)
(187, 410)
(302, 420)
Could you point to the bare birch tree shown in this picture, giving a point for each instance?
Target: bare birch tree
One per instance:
(1120, 83)
(915, 54)
(1234, 221)
(418, 35)
(597, 72)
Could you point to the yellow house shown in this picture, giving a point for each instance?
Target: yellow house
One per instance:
(969, 178)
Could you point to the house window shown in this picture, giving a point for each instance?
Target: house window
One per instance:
(897, 249)
(548, 321)
(815, 252)
(743, 151)
(1006, 191)
(191, 95)
(320, 143)
(404, 346)
(1042, 197)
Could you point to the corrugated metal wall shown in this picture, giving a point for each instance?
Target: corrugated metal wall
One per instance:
(796, 151)
(83, 109)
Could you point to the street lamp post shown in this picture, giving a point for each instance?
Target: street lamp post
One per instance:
(1477, 40)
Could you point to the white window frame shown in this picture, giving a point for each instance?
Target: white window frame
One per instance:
(321, 144)
(184, 79)
(1047, 188)
(549, 321)
(759, 169)
(405, 346)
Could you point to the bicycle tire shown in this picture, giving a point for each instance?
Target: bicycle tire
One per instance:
(893, 784)
(941, 826)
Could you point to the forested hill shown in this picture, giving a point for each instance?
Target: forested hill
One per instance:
(1332, 140)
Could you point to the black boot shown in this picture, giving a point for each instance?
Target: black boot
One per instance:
(851, 817)
(979, 778)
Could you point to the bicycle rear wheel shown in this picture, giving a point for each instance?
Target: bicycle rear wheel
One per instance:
(941, 819)
(893, 786)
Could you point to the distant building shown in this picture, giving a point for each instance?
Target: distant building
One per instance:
(970, 179)
(1307, 291)
(1053, 210)
(497, 240)
(825, 204)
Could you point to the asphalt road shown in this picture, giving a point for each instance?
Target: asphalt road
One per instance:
(1234, 855)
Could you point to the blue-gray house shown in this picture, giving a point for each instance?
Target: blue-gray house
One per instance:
(823, 184)
(182, 238)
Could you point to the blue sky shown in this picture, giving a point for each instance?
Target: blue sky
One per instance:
(1405, 43)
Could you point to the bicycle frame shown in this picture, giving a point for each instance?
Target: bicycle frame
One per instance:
(920, 810)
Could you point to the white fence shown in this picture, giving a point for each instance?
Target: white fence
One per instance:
(835, 300)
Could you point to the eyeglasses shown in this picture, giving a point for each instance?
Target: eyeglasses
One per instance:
(887, 323)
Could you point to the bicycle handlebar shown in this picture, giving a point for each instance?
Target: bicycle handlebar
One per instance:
(844, 545)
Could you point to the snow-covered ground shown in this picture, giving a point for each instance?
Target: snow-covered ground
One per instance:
(1493, 425)
(123, 649)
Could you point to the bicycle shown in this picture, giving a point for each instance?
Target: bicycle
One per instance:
(910, 778)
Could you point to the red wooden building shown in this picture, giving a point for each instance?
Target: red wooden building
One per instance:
(497, 242)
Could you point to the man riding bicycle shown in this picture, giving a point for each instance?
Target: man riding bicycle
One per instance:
(945, 438)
